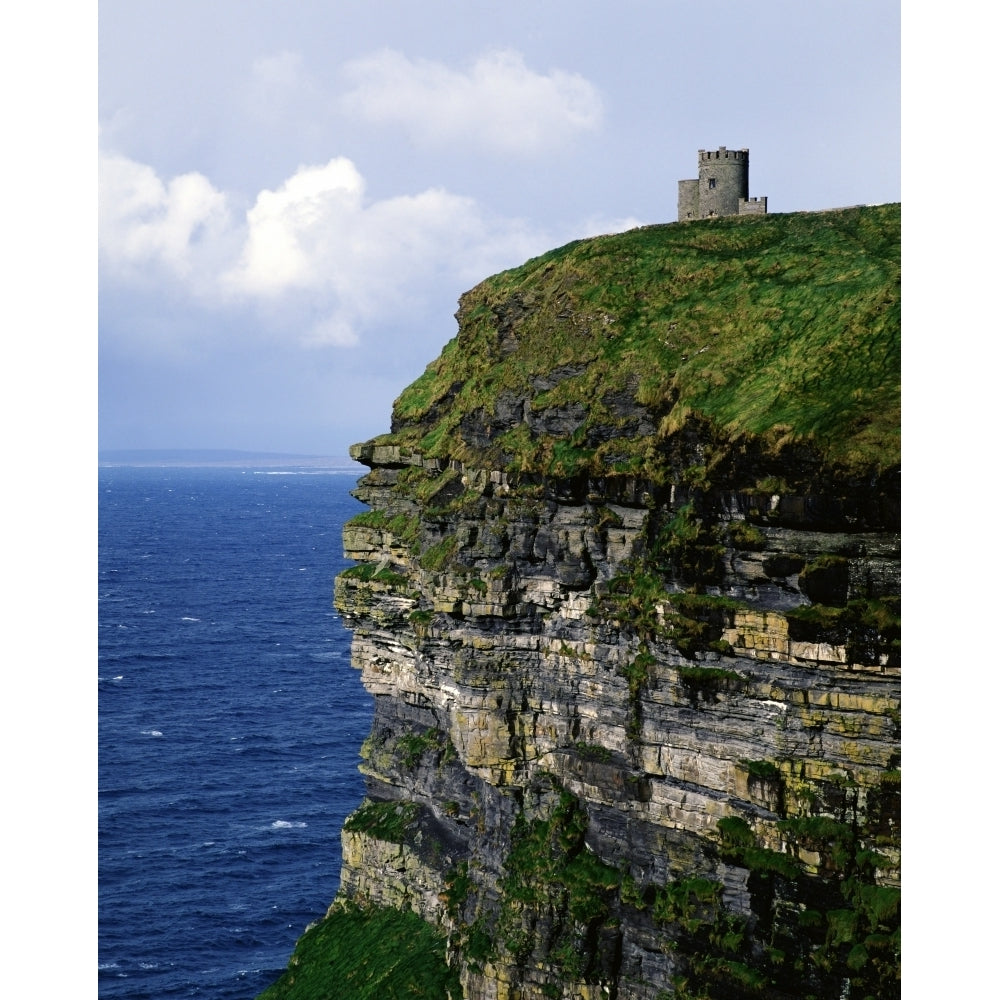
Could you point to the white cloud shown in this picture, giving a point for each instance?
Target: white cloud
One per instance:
(316, 234)
(366, 263)
(498, 103)
(312, 246)
(292, 231)
(144, 223)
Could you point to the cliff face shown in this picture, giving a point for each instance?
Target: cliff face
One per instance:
(635, 662)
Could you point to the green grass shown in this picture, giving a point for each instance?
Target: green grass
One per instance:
(852, 930)
(382, 820)
(368, 954)
(763, 770)
(370, 573)
(746, 537)
(777, 329)
(593, 752)
(549, 860)
(870, 628)
(437, 556)
(411, 747)
(367, 519)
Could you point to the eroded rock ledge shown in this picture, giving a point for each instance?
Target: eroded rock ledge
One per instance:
(637, 708)
(543, 705)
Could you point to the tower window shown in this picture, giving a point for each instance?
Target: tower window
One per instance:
(711, 182)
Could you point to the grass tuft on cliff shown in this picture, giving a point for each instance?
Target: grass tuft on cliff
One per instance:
(772, 330)
(359, 953)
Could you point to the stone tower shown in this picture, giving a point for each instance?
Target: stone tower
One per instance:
(722, 187)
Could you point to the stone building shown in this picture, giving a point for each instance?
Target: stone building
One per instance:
(722, 187)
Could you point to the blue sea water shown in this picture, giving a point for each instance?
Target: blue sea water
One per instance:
(229, 724)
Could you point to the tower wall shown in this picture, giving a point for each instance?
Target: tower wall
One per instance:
(754, 206)
(722, 187)
(723, 181)
(687, 200)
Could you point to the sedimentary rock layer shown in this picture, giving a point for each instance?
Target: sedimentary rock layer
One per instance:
(637, 721)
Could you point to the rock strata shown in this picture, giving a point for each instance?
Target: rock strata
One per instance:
(635, 735)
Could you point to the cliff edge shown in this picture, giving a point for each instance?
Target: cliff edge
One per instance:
(627, 599)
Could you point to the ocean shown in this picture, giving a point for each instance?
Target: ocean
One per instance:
(229, 723)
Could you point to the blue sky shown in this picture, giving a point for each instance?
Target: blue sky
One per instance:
(294, 195)
(144, 336)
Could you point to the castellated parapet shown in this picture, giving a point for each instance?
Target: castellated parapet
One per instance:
(722, 187)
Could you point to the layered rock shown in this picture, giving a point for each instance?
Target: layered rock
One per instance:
(635, 735)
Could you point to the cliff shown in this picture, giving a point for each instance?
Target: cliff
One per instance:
(627, 597)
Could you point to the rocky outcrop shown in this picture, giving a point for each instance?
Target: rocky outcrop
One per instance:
(634, 736)
(514, 660)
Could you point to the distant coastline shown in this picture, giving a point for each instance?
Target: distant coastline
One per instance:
(219, 458)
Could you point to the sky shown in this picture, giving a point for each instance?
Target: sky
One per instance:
(293, 195)
(264, 239)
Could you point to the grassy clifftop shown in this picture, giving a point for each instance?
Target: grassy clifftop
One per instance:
(768, 331)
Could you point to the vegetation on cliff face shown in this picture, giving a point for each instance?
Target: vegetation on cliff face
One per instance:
(768, 330)
(367, 953)
(628, 594)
